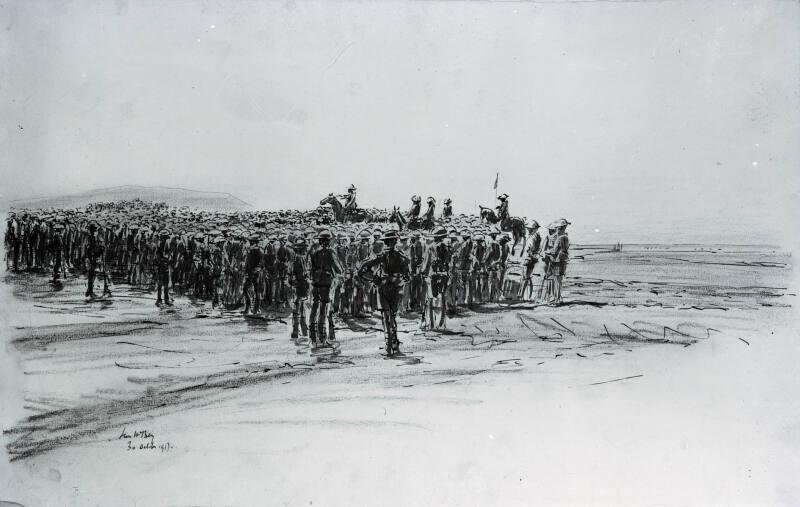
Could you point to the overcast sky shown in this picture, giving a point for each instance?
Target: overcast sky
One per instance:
(645, 121)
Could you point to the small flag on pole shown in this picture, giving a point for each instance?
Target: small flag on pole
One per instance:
(496, 179)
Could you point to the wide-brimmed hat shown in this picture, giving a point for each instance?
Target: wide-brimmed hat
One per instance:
(447, 201)
(502, 197)
(415, 198)
(533, 224)
(440, 233)
(390, 234)
(561, 222)
(325, 234)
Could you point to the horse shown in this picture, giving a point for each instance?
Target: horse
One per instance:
(515, 225)
(343, 215)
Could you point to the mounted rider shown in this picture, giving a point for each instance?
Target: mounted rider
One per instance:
(414, 210)
(447, 209)
(350, 200)
(502, 211)
(430, 213)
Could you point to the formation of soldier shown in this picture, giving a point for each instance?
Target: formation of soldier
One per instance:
(279, 260)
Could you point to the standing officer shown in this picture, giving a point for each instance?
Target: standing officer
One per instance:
(437, 276)
(57, 250)
(391, 272)
(93, 252)
(252, 267)
(163, 260)
(299, 280)
(559, 257)
(531, 258)
(416, 258)
(324, 267)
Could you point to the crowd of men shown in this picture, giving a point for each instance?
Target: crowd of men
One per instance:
(279, 260)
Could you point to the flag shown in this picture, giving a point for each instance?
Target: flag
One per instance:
(496, 179)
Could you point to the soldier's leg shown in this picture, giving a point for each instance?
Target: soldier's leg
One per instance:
(324, 302)
(90, 282)
(296, 318)
(312, 321)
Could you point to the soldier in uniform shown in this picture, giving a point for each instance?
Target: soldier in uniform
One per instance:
(299, 280)
(416, 255)
(430, 213)
(93, 252)
(324, 267)
(447, 209)
(548, 284)
(389, 270)
(559, 257)
(413, 211)
(340, 304)
(57, 250)
(362, 286)
(531, 258)
(163, 261)
(350, 202)
(437, 275)
(502, 211)
(252, 268)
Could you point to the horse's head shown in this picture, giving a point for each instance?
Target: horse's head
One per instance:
(327, 199)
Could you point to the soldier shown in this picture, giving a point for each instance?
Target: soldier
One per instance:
(416, 256)
(531, 258)
(447, 209)
(93, 251)
(163, 260)
(502, 211)
(547, 285)
(493, 259)
(57, 250)
(429, 216)
(350, 202)
(437, 275)
(466, 287)
(413, 211)
(362, 286)
(219, 268)
(252, 268)
(299, 280)
(324, 267)
(392, 272)
(479, 275)
(283, 257)
(559, 257)
(340, 301)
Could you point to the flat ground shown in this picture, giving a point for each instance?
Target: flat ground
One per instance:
(669, 376)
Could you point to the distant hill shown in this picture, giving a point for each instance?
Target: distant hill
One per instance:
(172, 196)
